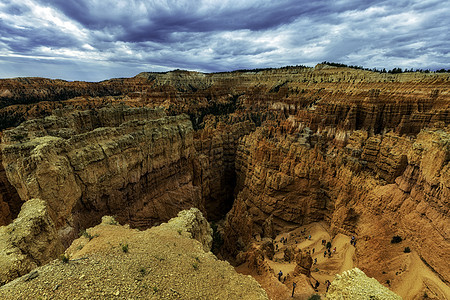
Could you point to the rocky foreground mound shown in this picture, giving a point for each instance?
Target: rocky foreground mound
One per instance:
(354, 284)
(171, 261)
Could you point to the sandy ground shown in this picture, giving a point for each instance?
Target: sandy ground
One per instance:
(412, 280)
(324, 269)
(416, 277)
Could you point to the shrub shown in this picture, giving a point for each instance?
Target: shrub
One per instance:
(195, 266)
(217, 239)
(64, 258)
(124, 248)
(396, 239)
(314, 297)
(407, 250)
(87, 235)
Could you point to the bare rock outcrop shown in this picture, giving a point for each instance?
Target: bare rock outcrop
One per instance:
(136, 164)
(126, 162)
(194, 225)
(216, 146)
(31, 240)
(303, 263)
(163, 262)
(368, 153)
(10, 202)
(354, 284)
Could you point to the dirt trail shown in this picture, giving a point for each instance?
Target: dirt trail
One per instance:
(412, 279)
(416, 277)
(324, 269)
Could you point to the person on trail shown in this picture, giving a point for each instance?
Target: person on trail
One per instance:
(293, 288)
(313, 250)
(352, 240)
(334, 250)
(279, 275)
(315, 260)
(325, 253)
(327, 284)
(316, 286)
(309, 237)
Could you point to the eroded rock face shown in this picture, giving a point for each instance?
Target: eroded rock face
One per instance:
(215, 171)
(366, 152)
(375, 187)
(10, 202)
(342, 98)
(31, 240)
(194, 225)
(303, 262)
(132, 163)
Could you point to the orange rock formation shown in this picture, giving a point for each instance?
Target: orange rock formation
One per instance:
(367, 153)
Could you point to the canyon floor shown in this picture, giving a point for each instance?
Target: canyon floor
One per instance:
(407, 282)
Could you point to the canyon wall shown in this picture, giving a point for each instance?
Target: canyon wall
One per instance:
(136, 164)
(339, 97)
(273, 149)
(375, 187)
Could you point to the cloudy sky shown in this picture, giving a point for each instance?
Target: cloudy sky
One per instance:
(93, 40)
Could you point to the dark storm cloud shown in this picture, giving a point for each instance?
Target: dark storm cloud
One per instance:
(186, 15)
(24, 40)
(221, 35)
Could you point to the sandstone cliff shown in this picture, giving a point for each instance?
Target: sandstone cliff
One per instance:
(10, 201)
(30, 241)
(375, 187)
(136, 164)
(320, 97)
(133, 163)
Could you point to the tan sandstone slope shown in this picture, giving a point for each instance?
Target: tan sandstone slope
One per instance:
(170, 261)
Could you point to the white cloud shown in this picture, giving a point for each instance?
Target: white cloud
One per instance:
(211, 35)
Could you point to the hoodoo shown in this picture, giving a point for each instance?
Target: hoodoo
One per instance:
(304, 172)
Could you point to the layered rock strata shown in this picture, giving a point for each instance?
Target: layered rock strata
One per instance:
(132, 163)
(10, 202)
(374, 187)
(216, 147)
(30, 241)
(364, 151)
(339, 97)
